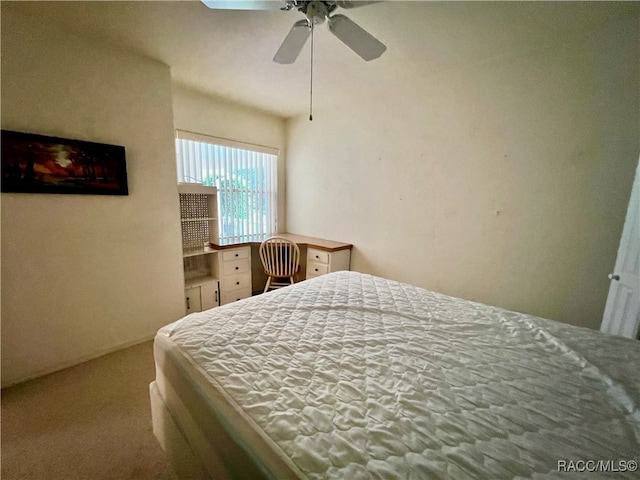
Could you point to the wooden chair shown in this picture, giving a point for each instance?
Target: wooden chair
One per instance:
(281, 260)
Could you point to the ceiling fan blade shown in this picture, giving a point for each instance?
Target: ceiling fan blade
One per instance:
(293, 43)
(244, 4)
(355, 3)
(355, 37)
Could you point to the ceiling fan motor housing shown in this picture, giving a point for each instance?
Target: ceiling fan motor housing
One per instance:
(316, 11)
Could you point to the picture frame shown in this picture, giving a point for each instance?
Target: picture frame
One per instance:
(34, 163)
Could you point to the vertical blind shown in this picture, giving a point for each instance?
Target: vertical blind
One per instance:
(246, 178)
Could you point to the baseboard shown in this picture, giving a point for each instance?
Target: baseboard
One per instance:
(77, 361)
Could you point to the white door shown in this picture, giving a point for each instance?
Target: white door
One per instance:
(622, 312)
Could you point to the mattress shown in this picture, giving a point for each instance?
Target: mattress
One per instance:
(352, 376)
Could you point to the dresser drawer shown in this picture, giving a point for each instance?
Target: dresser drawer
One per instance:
(314, 269)
(233, 267)
(235, 282)
(234, 295)
(318, 256)
(236, 254)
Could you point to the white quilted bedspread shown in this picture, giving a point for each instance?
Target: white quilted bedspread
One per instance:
(356, 377)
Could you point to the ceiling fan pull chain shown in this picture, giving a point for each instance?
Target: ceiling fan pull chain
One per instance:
(311, 86)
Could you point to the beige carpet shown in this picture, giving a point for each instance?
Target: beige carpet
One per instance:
(91, 421)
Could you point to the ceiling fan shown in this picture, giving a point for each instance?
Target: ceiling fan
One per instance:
(316, 12)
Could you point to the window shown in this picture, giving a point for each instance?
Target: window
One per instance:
(246, 177)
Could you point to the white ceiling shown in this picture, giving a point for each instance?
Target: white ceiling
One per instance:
(229, 54)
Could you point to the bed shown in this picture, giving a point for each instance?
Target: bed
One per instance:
(352, 376)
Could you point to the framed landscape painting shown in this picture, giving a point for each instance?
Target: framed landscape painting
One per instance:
(39, 164)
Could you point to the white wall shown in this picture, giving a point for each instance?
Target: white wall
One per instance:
(503, 180)
(195, 112)
(83, 275)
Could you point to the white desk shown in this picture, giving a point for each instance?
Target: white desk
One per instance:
(232, 265)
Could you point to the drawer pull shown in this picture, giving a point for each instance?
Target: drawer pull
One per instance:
(237, 254)
(237, 283)
(316, 269)
(237, 268)
(318, 256)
